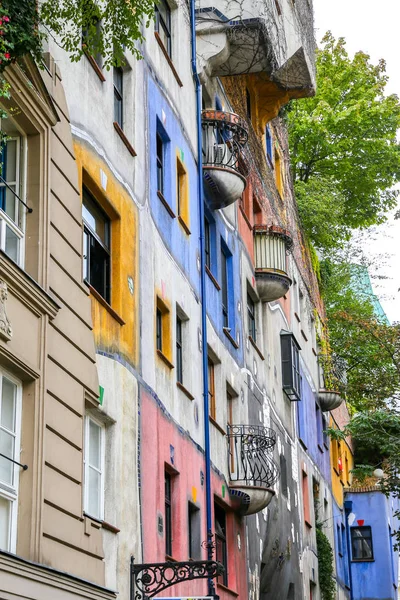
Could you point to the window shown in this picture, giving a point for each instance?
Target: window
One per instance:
(283, 468)
(194, 532)
(224, 289)
(339, 540)
(220, 541)
(10, 402)
(179, 352)
(306, 499)
(118, 97)
(159, 329)
(229, 422)
(207, 243)
(257, 212)
(268, 144)
(211, 390)
(11, 213)
(361, 543)
(251, 318)
(96, 23)
(291, 377)
(163, 24)
(278, 172)
(160, 164)
(96, 245)
(168, 513)
(164, 332)
(318, 419)
(94, 468)
(335, 456)
(248, 104)
(182, 195)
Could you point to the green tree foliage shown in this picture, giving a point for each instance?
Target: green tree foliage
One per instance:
(345, 157)
(109, 28)
(369, 347)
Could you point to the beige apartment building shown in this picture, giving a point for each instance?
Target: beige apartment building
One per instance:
(47, 357)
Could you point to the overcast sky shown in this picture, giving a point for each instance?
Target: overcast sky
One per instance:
(374, 28)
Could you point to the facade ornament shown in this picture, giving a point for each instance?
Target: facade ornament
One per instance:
(5, 325)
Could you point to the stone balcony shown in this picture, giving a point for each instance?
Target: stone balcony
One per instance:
(271, 245)
(252, 470)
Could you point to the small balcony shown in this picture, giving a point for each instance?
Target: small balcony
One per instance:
(252, 470)
(224, 165)
(271, 245)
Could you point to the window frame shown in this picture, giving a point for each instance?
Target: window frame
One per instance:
(291, 385)
(159, 327)
(224, 288)
(168, 513)
(88, 231)
(10, 492)
(193, 512)
(179, 348)
(251, 317)
(118, 97)
(166, 26)
(87, 466)
(269, 145)
(18, 226)
(362, 537)
(223, 538)
(212, 407)
(207, 243)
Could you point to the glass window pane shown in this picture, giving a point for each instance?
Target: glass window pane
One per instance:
(85, 255)
(95, 218)
(94, 445)
(11, 161)
(10, 205)
(12, 244)
(94, 493)
(8, 404)
(6, 448)
(5, 522)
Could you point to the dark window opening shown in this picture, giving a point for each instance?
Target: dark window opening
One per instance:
(268, 143)
(163, 24)
(207, 243)
(224, 289)
(118, 96)
(194, 532)
(283, 467)
(251, 317)
(248, 104)
(96, 245)
(212, 411)
(159, 329)
(168, 513)
(220, 541)
(361, 543)
(160, 164)
(179, 351)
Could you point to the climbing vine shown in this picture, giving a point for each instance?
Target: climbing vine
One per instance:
(325, 565)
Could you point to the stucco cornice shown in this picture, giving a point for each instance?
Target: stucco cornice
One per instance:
(23, 287)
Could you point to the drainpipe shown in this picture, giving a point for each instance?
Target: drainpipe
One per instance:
(211, 588)
(348, 507)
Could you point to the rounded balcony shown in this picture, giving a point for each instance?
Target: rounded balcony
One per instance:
(252, 470)
(271, 245)
(329, 400)
(224, 166)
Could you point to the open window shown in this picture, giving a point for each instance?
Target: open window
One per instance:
(291, 377)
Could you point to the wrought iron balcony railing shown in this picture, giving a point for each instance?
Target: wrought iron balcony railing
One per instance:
(250, 455)
(224, 166)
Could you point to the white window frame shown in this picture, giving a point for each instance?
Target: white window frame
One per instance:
(88, 418)
(7, 491)
(20, 211)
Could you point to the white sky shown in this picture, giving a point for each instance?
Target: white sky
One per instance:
(374, 28)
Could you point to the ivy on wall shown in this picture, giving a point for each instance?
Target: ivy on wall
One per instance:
(327, 582)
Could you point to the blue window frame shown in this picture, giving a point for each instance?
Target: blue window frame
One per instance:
(210, 243)
(163, 166)
(226, 282)
(268, 144)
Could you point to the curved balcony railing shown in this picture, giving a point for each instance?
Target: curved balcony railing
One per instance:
(225, 136)
(249, 455)
(271, 245)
